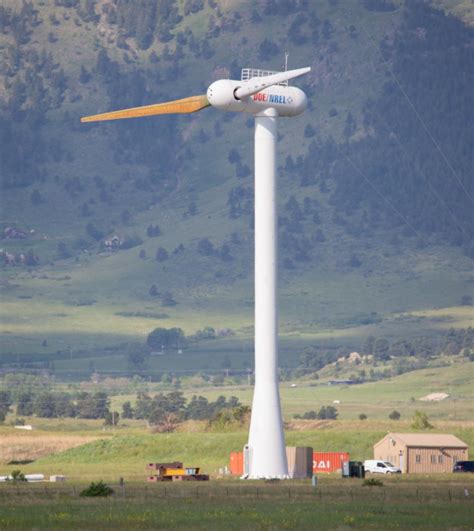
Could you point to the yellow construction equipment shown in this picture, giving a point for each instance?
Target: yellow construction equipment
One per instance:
(175, 472)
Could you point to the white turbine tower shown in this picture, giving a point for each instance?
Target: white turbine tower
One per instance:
(267, 96)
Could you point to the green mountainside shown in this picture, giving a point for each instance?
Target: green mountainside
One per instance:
(111, 230)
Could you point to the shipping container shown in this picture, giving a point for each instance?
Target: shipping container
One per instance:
(236, 463)
(300, 461)
(328, 461)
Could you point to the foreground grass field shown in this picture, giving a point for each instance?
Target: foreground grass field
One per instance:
(334, 504)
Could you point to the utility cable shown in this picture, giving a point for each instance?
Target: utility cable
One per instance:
(430, 186)
(427, 131)
(371, 184)
(420, 119)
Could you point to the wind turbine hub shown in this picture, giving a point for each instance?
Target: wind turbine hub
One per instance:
(224, 94)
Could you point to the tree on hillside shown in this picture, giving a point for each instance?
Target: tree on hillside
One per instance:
(127, 410)
(161, 254)
(142, 406)
(137, 358)
(112, 418)
(328, 412)
(24, 403)
(350, 126)
(94, 406)
(205, 247)
(420, 421)
(167, 299)
(311, 358)
(166, 410)
(198, 408)
(44, 406)
(165, 338)
(267, 50)
(5, 403)
(381, 348)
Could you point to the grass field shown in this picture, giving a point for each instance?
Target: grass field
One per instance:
(125, 452)
(82, 451)
(334, 504)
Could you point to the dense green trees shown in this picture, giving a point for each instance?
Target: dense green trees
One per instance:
(158, 408)
(416, 157)
(166, 338)
(403, 354)
(5, 403)
(146, 20)
(50, 404)
(324, 413)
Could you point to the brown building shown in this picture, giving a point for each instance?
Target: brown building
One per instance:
(421, 452)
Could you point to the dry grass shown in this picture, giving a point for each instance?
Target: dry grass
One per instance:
(29, 447)
(308, 425)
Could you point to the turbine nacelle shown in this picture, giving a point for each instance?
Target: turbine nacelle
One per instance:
(254, 95)
(287, 101)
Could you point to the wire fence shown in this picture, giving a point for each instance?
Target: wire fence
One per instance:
(338, 493)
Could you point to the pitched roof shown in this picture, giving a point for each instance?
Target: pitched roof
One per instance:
(427, 440)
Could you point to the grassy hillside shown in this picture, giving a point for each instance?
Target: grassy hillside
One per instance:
(71, 187)
(376, 399)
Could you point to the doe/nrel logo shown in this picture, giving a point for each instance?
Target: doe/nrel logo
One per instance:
(271, 98)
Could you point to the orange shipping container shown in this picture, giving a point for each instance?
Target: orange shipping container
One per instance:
(328, 461)
(237, 463)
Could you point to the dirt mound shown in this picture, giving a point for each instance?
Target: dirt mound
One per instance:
(434, 397)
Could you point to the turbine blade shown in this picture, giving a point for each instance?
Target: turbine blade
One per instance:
(256, 84)
(184, 106)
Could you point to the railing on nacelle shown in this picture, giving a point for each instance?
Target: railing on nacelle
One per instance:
(249, 73)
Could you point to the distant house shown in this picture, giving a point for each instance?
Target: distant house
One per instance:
(11, 233)
(421, 452)
(113, 243)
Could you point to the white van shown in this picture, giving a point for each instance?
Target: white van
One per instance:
(375, 466)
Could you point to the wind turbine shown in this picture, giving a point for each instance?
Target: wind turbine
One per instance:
(267, 96)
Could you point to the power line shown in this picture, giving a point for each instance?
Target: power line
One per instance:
(379, 192)
(427, 131)
(433, 190)
(420, 119)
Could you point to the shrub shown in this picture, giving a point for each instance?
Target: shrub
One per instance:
(327, 412)
(420, 421)
(362, 416)
(97, 489)
(161, 254)
(17, 475)
(372, 482)
(394, 415)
